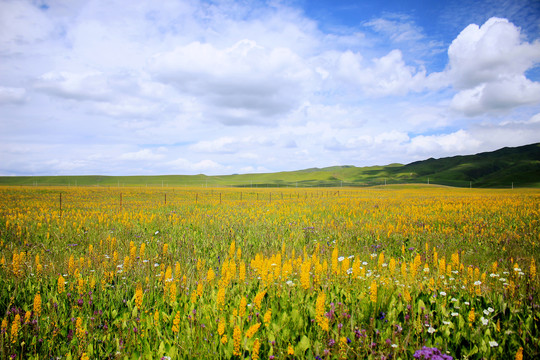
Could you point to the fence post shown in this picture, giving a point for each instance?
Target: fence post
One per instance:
(165, 198)
(60, 204)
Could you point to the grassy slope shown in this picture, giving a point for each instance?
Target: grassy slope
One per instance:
(501, 168)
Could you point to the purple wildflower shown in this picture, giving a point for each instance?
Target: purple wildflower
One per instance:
(431, 353)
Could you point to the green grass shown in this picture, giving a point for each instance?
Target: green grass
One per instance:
(504, 168)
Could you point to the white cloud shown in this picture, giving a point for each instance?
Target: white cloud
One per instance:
(245, 83)
(459, 141)
(21, 25)
(245, 86)
(487, 66)
(10, 95)
(204, 166)
(81, 86)
(387, 75)
(144, 154)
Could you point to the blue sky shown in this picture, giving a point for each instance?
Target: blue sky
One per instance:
(221, 87)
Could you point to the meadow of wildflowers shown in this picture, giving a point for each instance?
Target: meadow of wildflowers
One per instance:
(381, 273)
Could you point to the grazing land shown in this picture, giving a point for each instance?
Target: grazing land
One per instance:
(503, 168)
(372, 273)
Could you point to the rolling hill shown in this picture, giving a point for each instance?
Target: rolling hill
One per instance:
(503, 168)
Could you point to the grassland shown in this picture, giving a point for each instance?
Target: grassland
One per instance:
(153, 273)
(504, 168)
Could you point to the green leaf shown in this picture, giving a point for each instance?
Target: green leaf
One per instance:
(303, 345)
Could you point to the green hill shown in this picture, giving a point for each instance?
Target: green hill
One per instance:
(503, 168)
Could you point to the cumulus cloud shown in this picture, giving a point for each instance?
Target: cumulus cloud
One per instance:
(458, 141)
(487, 64)
(248, 86)
(80, 86)
(244, 83)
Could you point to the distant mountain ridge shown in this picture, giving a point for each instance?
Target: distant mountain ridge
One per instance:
(503, 168)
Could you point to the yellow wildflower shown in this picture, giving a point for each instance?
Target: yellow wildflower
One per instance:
(176, 323)
(221, 326)
(252, 330)
(267, 317)
(290, 350)
(237, 337)
(519, 354)
(258, 298)
(37, 304)
(373, 292)
(256, 347)
(242, 307)
(80, 332)
(320, 316)
(211, 275)
(139, 296)
(15, 328)
(471, 317)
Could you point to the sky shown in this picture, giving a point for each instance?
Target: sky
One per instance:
(117, 87)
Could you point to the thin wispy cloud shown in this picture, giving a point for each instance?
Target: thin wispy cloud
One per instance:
(215, 87)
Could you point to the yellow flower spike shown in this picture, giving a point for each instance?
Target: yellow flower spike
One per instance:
(242, 272)
(305, 278)
(220, 300)
(345, 265)
(224, 339)
(37, 304)
(267, 317)
(373, 292)
(252, 330)
(380, 261)
(407, 296)
(172, 292)
(320, 316)
(343, 347)
(242, 307)
(156, 318)
(79, 330)
(15, 328)
(335, 266)
(27, 316)
(139, 296)
(210, 275)
(392, 265)
(519, 354)
(237, 337)
(471, 317)
(404, 270)
(142, 250)
(258, 298)
(255, 351)
(221, 326)
(165, 249)
(176, 323)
